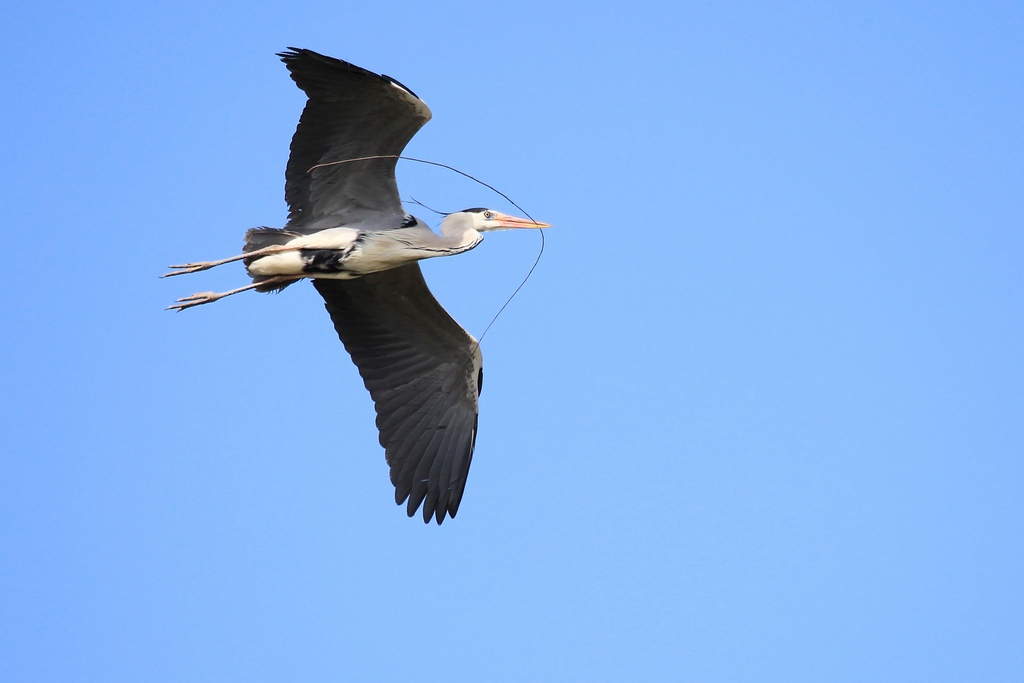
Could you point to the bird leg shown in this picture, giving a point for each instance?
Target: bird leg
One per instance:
(206, 265)
(200, 298)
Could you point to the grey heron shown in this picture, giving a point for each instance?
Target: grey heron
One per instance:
(348, 231)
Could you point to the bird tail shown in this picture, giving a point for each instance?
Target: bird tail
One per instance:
(258, 238)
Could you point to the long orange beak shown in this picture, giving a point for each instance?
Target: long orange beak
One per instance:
(507, 221)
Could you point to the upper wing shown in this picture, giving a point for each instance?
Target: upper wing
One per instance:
(424, 373)
(351, 113)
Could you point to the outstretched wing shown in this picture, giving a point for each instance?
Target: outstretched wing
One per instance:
(424, 373)
(351, 113)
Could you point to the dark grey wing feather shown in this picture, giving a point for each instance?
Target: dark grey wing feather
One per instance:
(423, 372)
(351, 113)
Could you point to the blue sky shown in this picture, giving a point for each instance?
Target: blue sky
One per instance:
(757, 416)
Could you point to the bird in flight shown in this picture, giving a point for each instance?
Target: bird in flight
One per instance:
(348, 231)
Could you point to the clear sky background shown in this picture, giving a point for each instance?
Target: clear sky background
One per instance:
(757, 416)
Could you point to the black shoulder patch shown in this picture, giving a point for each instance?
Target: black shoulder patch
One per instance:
(409, 221)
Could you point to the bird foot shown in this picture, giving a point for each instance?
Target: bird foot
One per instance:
(190, 268)
(197, 299)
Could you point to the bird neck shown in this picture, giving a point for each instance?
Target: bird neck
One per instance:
(457, 233)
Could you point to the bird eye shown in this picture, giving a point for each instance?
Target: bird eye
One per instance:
(488, 215)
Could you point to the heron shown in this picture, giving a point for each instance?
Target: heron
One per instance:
(348, 232)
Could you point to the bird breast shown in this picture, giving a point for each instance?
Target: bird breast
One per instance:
(346, 253)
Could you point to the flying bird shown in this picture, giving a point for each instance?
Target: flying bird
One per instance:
(348, 231)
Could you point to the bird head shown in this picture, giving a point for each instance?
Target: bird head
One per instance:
(484, 220)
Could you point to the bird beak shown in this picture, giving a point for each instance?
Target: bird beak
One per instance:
(516, 222)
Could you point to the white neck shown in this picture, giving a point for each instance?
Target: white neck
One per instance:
(419, 241)
(457, 234)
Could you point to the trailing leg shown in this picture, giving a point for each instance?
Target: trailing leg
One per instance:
(206, 265)
(200, 298)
